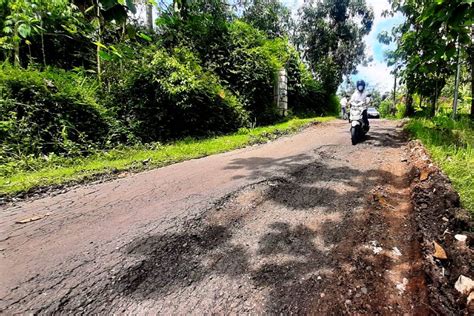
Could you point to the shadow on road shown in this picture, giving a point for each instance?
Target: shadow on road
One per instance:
(280, 257)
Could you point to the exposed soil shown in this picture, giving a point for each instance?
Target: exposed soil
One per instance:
(307, 224)
(439, 218)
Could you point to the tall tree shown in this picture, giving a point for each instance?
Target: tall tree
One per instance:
(269, 16)
(331, 36)
(428, 60)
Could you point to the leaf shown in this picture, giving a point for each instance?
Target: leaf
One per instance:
(424, 175)
(107, 4)
(105, 56)
(100, 45)
(31, 219)
(24, 30)
(71, 29)
(145, 37)
(7, 30)
(131, 6)
(89, 9)
(439, 253)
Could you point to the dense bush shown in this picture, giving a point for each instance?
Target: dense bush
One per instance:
(171, 96)
(401, 111)
(304, 93)
(248, 66)
(385, 108)
(386, 111)
(44, 112)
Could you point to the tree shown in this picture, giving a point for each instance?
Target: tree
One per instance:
(429, 60)
(330, 36)
(19, 24)
(269, 16)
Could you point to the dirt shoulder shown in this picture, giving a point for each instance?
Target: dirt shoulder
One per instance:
(440, 219)
(305, 224)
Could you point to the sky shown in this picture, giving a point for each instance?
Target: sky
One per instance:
(376, 74)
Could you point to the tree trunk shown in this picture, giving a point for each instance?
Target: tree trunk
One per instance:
(16, 47)
(43, 51)
(409, 104)
(99, 33)
(435, 100)
(394, 105)
(456, 83)
(472, 72)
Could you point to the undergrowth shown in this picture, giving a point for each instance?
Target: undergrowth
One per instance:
(450, 144)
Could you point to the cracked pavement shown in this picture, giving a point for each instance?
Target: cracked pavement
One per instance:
(284, 227)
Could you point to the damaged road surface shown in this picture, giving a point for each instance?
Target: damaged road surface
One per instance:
(305, 224)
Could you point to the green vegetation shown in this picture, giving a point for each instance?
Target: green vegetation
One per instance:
(434, 61)
(386, 109)
(89, 86)
(52, 170)
(43, 112)
(451, 145)
(426, 74)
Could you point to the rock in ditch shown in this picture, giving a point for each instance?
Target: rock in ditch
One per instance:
(439, 253)
(460, 237)
(464, 285)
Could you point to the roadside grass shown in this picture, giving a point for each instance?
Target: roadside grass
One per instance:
(26, 176)
(451, 145)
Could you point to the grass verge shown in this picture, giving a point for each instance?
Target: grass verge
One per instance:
(23, 177)
(450, 144)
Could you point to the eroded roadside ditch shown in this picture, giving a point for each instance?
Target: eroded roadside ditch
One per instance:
(441, 220)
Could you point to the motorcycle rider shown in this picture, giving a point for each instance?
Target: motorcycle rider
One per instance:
(360, 95)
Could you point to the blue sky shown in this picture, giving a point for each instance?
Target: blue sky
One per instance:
(377, 74)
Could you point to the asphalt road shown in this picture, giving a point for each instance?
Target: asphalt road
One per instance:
(305, 224)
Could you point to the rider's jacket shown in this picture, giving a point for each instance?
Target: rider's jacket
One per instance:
(358, 96)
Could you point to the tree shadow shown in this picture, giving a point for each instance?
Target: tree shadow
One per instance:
(169, 262)
(287, 262)
(385, 137)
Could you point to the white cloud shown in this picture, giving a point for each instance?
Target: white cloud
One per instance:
(377, 75)
(379, 6)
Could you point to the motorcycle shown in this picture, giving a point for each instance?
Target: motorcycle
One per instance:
(359, 127)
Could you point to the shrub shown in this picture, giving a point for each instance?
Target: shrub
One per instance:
(248, 66)
(304, 93)
(171, 97)
(401, 111)
(334, 105)
(384, 108)
(44, 112)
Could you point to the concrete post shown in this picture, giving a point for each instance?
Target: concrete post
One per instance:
(281, 92)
